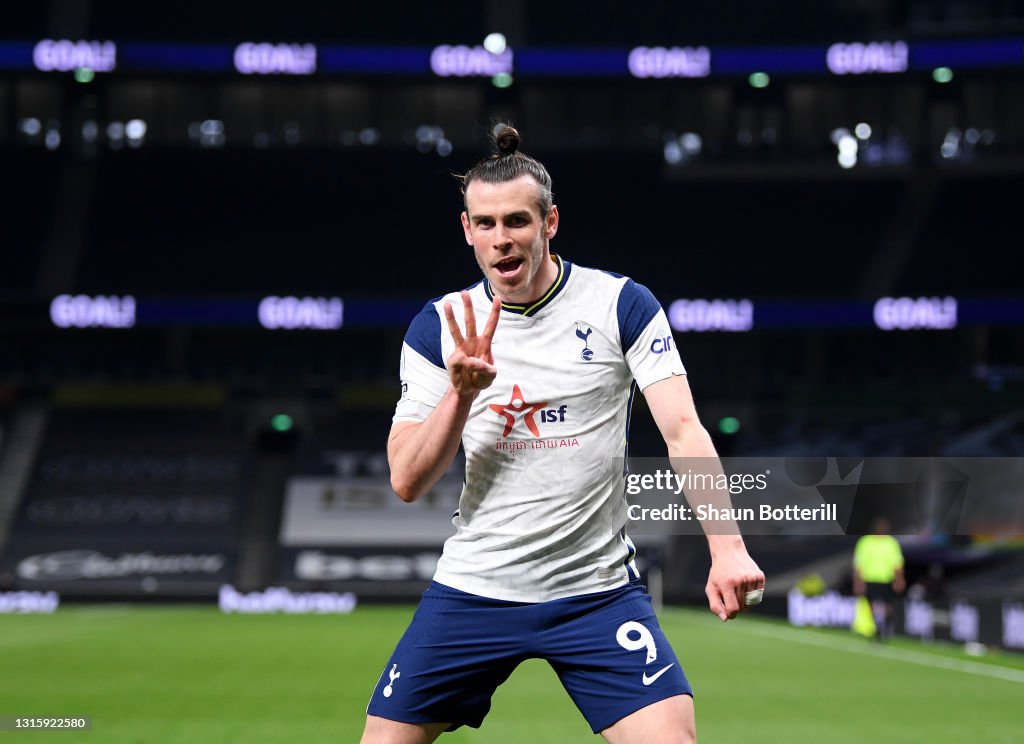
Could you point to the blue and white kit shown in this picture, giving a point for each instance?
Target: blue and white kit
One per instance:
(540, 554)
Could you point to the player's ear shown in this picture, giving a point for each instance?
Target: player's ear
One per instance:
(465, 228)
(551, 223)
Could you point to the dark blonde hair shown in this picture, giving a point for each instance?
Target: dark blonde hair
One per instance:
(508, 164)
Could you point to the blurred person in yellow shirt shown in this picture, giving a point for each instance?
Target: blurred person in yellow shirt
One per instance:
(878, 573)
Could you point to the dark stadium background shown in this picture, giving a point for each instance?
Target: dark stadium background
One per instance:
(165, 456)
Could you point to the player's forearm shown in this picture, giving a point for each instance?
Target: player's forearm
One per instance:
(419, 455)
(692, 441)
(692, 449)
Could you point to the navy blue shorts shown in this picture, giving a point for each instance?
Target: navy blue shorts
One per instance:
(607, 649)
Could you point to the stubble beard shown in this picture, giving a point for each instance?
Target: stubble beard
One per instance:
(535, 259)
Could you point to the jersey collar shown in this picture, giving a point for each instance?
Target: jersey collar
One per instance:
(564, 267)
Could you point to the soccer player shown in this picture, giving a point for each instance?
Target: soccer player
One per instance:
(540, 564)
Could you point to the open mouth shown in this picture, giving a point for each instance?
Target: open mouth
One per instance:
(508, 267)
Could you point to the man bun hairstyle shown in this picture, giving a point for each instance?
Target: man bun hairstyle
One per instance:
(507, 163)
(506, 140)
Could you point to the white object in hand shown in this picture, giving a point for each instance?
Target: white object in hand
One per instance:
(753, 597)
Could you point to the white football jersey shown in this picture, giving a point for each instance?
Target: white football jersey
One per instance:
(542, 513)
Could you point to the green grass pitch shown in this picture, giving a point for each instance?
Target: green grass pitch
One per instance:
(191, 674)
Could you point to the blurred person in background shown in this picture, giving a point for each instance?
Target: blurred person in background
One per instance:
(878, 573)
(540, 565)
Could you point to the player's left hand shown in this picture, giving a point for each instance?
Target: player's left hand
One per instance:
(733, 574)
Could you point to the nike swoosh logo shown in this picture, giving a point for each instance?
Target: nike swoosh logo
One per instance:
(650, 680)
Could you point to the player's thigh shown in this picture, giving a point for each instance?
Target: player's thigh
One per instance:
(612, 657)
(669, 721)
(382, 731)
(458, 649)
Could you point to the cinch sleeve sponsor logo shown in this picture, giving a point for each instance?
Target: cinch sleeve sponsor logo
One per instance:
(661, 344)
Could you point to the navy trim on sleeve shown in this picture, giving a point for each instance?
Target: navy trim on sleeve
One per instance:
(424, 334)
(636, 308)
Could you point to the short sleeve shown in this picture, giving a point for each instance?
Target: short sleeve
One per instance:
(647, 341)
(421, 370)
(897, 553)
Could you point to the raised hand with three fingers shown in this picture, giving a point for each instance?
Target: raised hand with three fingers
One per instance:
(471, 366)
